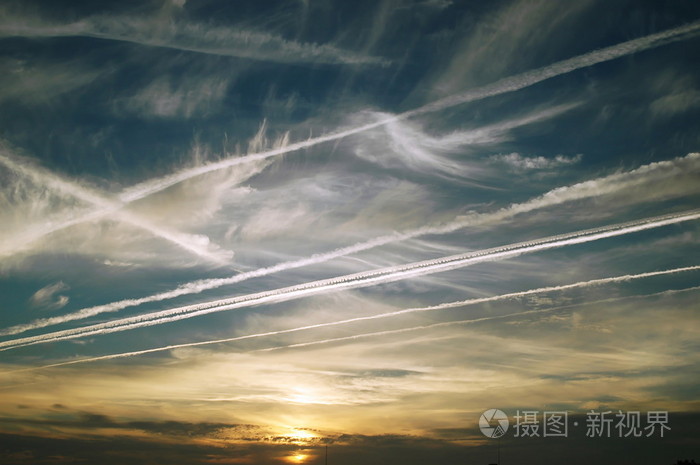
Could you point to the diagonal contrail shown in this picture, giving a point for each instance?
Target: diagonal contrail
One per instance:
(446, 305)
(509, 84)
(356, 280)
(591, 188)
(398, 331)
(112, 206)
(506, 85)
(52, 181)
(192, 37)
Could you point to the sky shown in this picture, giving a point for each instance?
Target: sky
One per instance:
(257, 232)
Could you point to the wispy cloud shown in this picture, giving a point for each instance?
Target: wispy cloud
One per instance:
(510, 84)
(408, 145)
(447, 305)
(676, 93)
(634, 182)
(437, 207)
(513, 32)
(48, 297)
(170, 98)
(184, 35)
(357, 280)
(521, 314)
(518, 162)
(502, 86)
(32, 83)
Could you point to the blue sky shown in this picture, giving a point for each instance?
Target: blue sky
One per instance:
(236, 232)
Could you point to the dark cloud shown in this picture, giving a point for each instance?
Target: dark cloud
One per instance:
(389, 449)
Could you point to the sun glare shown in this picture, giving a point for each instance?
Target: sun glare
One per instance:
(301, 434)
(298, 458)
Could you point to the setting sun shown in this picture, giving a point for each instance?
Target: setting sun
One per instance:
(302, 434)
(298, 458)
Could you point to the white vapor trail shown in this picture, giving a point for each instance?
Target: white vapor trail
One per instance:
(406, 330)
(356, 280)
(192, 37)
(31, 235)
(184, 241)
(509, 84)
(461, 303)
(592, 188)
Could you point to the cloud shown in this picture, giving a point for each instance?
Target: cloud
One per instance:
(185, 98)
(345, 237)
(197, 245)
(38, 83)
(334, 387)
(531, 295)
(356, 280)
(629, 187)
(406, 144)
(506, 40)
(516, 162)
(501, 86)
(43, 205)
(505, 85)
(679, 102)
(47, 298)
(181, 34)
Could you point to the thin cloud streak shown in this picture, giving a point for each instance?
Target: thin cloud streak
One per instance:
(192, 37)
(529, 78)
(446, 305)
(439, 325)
(588, 189)
(506, 85)
(357, 280)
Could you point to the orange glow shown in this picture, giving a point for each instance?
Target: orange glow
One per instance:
(298, 458)
(300, 434)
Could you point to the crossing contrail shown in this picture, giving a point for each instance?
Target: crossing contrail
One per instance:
(592, 188)
(356, 280)
(502, 86)
(446, 305)
(184, 241)
(105, 206)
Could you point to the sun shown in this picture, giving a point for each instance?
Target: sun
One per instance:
(302, 434)
(298, 458)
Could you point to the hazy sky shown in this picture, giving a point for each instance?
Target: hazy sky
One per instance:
(237, 232)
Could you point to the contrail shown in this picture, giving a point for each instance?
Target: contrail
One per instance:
(54, 182)
(356, 280)
(506, 85)
(192, 37)
(29, 236)
(592, 188)
(410, 329)
(509, 84)
(461, 303)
